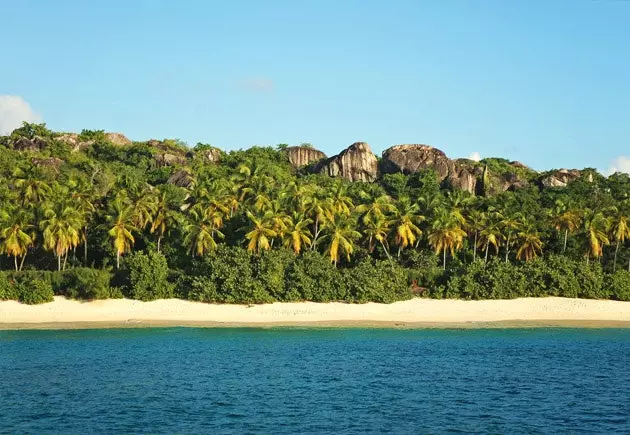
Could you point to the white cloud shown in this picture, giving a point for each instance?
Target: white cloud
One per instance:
(618, 164)
(474, 156)
(13, 111)
(258, 84)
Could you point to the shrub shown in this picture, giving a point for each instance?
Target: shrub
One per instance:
(85, 283)
(617, 285)
(379, 281)
(148, 276)
(270, 273)
(590, 279)
(493, 280)
(313, 277)
(202, 289)
(35, 292)
(8, 290)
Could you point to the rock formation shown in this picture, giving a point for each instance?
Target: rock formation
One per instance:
(562, 177)
(181, 178)
(73, 140)
(303, 156)
(408, 159)
(355, 163)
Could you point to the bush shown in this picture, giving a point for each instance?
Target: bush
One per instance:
(379, 281)
(493, 280)
(202, 289)
(85, 283)
(312, 277)
(35, 292)
(270, 273)
(8, 290)
(617, 285)
(148, 276)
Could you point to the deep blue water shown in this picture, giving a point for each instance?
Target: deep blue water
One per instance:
(179, 380)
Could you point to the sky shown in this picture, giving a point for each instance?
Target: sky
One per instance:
(545, 82)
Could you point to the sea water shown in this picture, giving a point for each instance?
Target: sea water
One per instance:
(291, 380)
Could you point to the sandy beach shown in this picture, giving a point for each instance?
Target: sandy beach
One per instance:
(552, 311)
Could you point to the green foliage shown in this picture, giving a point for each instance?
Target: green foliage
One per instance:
(379, 281)
(494, 280)
(35, 292)
(8, 290)
(313, 277)
(85, 284)
(148, 276)
(617, 285)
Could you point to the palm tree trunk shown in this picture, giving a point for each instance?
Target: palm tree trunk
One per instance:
(566, 234)
(117, 259)
(65, 260)
(507, 248)
(58, 262)
(85, 247)
(475, 248)
(616, 251)
(16, 263)
(389, 257)
(487, 248)
(444, 260)
(22, 262)
(159, 243)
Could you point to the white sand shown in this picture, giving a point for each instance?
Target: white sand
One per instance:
(418, 312)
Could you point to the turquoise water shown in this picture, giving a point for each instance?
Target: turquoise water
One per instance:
(178, 380)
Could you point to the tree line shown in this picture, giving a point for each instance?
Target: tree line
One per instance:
(101, 204)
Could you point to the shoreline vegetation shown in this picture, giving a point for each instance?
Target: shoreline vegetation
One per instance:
(94, 216)
(416, 313)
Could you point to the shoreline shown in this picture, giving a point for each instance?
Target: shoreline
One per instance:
(413, 314)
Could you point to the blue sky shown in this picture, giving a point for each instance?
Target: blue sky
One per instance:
(546, 82)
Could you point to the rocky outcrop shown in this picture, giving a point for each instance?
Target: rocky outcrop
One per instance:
(211, 155)
(355, 163)
(562, 177)
(49, 162)
(77, 144)
(35, 144)
(408, 159)
(303, 156)
(181, 178)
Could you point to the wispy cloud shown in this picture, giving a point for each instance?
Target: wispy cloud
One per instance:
(618, 164)
(475, 156)
(13, 111)
(257, 84)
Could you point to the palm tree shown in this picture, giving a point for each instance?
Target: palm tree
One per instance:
(121, 223)
(530, 243)
(31, 189)
(620, 230)
(491, 233)
(164, 218)
(261, 232)
(405, 222)
(595, 226)
(341, 235)
(16, 235)
(509, 224)
(376, 208)
(200, 232)
(316, 209)
(84, 198)
(564, 219)
(446, 233)
(377, 228)
(340, 201)
(475, 223)
(61, 227)
(297, 233)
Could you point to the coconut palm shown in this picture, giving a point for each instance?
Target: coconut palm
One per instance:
(475, 223)
(200, 233)
(121, 223)
(491, 233)
(375, 208)
(595, 227)
(165, 216)
(406, 218)
(261, 232)
(297, 235)
(16, 235)
(530, 243)
(377, 229)
(61, 227)
(565, 220)
(446, 233)
(620, 229)
(341, 235)
(341, 203)
(509, 224)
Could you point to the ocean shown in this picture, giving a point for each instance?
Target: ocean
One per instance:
(293, 380)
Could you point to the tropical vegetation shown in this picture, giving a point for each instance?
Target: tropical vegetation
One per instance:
(96, 219)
